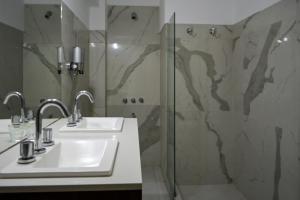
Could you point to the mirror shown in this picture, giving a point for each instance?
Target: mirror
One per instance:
(45, 53)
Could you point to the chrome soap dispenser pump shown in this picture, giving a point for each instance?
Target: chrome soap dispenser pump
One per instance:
(76, 65)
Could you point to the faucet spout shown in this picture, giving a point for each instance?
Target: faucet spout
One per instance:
(22, 101)
(80, 94)
(38, 122)
(76, 111)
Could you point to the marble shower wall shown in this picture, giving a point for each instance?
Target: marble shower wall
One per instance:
(42, 36)
(237, 96)
(266, 67)
(133, 71)
(98, 71)
(204, 111)
(75, 33)
(11, 40)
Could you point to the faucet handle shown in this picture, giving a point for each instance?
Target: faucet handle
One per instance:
(26, 152)
(30, 115)
(72, 120)
(47, 137)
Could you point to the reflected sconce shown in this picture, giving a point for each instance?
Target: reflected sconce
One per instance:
(76, 65)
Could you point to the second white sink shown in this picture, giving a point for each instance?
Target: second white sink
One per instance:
(97, 124)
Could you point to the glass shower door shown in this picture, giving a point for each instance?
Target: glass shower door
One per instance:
(170, 62)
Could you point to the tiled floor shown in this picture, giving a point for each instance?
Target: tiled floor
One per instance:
(210, 192)
(153, 185)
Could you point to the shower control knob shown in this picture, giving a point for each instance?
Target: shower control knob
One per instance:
(125, 100)
(141, 100)
(133, 115)
(133, 100)
(26, 152)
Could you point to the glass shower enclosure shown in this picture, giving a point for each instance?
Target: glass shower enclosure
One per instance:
(236, 94)
(168, 104)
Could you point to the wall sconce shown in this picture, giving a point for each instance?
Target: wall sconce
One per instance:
(76, 65)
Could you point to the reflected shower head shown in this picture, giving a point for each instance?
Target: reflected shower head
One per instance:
(134, 16)
(48, 14)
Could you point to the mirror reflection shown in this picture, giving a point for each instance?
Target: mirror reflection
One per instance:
(44, 54)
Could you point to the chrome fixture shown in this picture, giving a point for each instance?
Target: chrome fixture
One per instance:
(48, 14)
(76, 115)
(190, 30)
(47, 137)
(141, 100)
(76, 65)
(22, 101)
(26, 152)
(133, 115)
(125, 100)
(38, 121)
(134, 16)
(133, 100)
(213, 31)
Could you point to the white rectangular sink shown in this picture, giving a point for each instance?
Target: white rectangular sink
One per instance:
(4, 125)
(69, 158)
(97, 124)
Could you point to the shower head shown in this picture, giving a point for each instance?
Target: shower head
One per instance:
(213, 32)
(48, 14)
(134, 16)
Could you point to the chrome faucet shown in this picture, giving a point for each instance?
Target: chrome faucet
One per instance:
(22, 100)
(76, 116)
(38, 121)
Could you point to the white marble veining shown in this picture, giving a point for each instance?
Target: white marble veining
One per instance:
(42, 36)
(98, 71)
(11, 60)
(133, 71)
(74, 33)
(236, 104)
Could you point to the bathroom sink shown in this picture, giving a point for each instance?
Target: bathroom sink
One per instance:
(96, 124)
(69, 158)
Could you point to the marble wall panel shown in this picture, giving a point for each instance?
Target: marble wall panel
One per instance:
(236, 104)
(266, 62)
(42, 36)
(133, 71)
(98, 71)
(42, 24)
(203, 103)
(75, 33)
(11, 78)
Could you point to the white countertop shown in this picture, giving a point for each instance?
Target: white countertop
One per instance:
(5, 142)
(126, 175)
